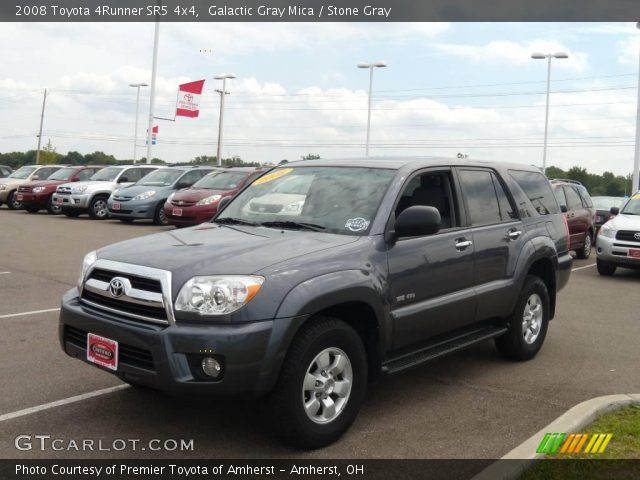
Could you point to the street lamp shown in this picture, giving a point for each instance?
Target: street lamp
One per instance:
(548, 56)
(370, 66)
(636, 157)
(222, 93)
(135, 134)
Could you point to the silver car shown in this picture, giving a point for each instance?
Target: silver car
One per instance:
(619, 239)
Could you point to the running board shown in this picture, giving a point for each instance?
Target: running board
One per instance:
(425, 355)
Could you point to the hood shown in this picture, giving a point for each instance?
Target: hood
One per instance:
(134, 190)
(14, 182)
(211, 249)
(92, 185)
(625, 222)
(196, 194)
(45, 183)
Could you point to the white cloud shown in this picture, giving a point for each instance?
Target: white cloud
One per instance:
(629, 51)
(514, 53)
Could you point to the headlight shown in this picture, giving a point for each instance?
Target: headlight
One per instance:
(80, 189)
(89, 259)
(3, 187)
(209, 200)
(171, 197)
(607, 231)
(38, 189)
(217, 295)
(145, 195)
(294, 207)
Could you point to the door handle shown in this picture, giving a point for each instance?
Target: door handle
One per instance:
(462, 244)
(514, 234)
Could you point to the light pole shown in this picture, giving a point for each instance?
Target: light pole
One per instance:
(636, 157)
(548, 56)
(135, 134)
(370, 66)
(222, 93)
(152, 94)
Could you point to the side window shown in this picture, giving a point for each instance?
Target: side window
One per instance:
(558, 191)
(575, 202)
(86, 174)
(507, 211)
(480, 194)
(191, 177)
(45, 173)
(135, 174)
(431, 189)
(537, 189)
(586, 199)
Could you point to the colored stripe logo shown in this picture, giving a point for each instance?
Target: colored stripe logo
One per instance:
(574, 443)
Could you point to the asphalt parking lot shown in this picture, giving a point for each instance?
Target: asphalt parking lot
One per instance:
(469, 405)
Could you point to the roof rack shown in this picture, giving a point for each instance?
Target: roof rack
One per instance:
(567, 180)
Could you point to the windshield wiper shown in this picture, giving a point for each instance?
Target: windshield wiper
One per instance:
(234, 221)
(294, 225)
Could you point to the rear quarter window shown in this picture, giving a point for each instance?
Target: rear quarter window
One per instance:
(538, 190)
(586, 198)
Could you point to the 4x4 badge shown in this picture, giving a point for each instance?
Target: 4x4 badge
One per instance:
(116, 287)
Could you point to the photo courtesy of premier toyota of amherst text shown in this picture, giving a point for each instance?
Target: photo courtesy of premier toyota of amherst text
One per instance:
(359, 239)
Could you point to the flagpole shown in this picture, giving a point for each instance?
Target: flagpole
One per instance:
(154, 68)
(44, 102)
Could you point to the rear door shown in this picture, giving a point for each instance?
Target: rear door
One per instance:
(577, 216)
(498, 236)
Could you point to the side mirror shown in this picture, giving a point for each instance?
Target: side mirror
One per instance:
(224, 201)
(74, 179)
(123, 180)
(614, 211)
(564, 209)
(182, 185)
(417, 220)
(35, 177)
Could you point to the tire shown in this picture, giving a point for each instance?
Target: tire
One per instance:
(585, 251)
(533, 308)
(98, 208)
(606, 269)
(71, 213)
(31, 208)
(53, 209)
(126, 220)
(159, 218)
(12, 203)
(318, 344)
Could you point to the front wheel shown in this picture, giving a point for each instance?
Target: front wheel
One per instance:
(71, 213)
(31, 209)
(52, 208)
(606, 269)
(321, 386)
(159, 217)
(528, 322)
(12, 203)
(98, 209)
(585, 251)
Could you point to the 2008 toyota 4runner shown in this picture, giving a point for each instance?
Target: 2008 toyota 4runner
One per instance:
(381, 266)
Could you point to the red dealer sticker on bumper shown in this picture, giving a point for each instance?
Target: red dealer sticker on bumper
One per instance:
(634, 253)
(102, 351)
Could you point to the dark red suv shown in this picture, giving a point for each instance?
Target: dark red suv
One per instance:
(38, 195)
(575, 201)
(199, 203)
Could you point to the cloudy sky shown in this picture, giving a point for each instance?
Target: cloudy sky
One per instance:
(448, 88)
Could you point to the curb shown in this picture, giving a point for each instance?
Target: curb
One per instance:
(573, 420)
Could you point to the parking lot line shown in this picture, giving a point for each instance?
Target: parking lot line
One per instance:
(59, 403)
(580, 268)
(34, 312)
(4, 273)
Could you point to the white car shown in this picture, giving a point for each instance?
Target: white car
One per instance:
(619, 239)
(286, 199)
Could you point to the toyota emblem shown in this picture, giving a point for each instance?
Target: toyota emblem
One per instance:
(636, 235)
(116, 287)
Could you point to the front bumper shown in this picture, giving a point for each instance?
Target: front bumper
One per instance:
(35, 199)
(616, 252)
(194, 215)
(77, 201)
(167, 358)
(142, 209)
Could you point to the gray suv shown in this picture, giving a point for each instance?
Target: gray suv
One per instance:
(145, 199)
(384, 265)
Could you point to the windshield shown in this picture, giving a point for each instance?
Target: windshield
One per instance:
(605, 203)
(108, 174)
(62, 174)
(329, 199)
(221, 180)
(633, 206)
(161, 178)
(23, 172)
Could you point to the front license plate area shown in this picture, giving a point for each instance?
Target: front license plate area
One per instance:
(102, 351)
(634, 253)
(116, 206)
(177, 212)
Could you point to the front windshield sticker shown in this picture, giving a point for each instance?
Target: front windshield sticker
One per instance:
(357, 224)
(273, 175)
(636, 196)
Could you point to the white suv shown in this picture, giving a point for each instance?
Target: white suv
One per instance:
(619, 239)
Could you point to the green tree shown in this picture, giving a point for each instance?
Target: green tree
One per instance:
(310, 156)
(48, 154)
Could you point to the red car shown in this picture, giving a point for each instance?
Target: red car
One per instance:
(199, 203)
(37, 195)
(580, 213)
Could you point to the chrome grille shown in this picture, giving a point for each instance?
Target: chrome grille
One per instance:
(24, 189)
(628, 236)
(63, 190)
(138, 293)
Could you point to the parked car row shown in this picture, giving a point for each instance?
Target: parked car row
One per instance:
(178, 195)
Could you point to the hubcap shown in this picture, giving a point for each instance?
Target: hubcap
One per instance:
(587, 245)
(100, 208)
(327, 385)
(532, 319)
(162, 217)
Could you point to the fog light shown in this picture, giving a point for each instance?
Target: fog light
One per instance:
(211, 367)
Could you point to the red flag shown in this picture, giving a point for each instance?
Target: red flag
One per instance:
(189, 98)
